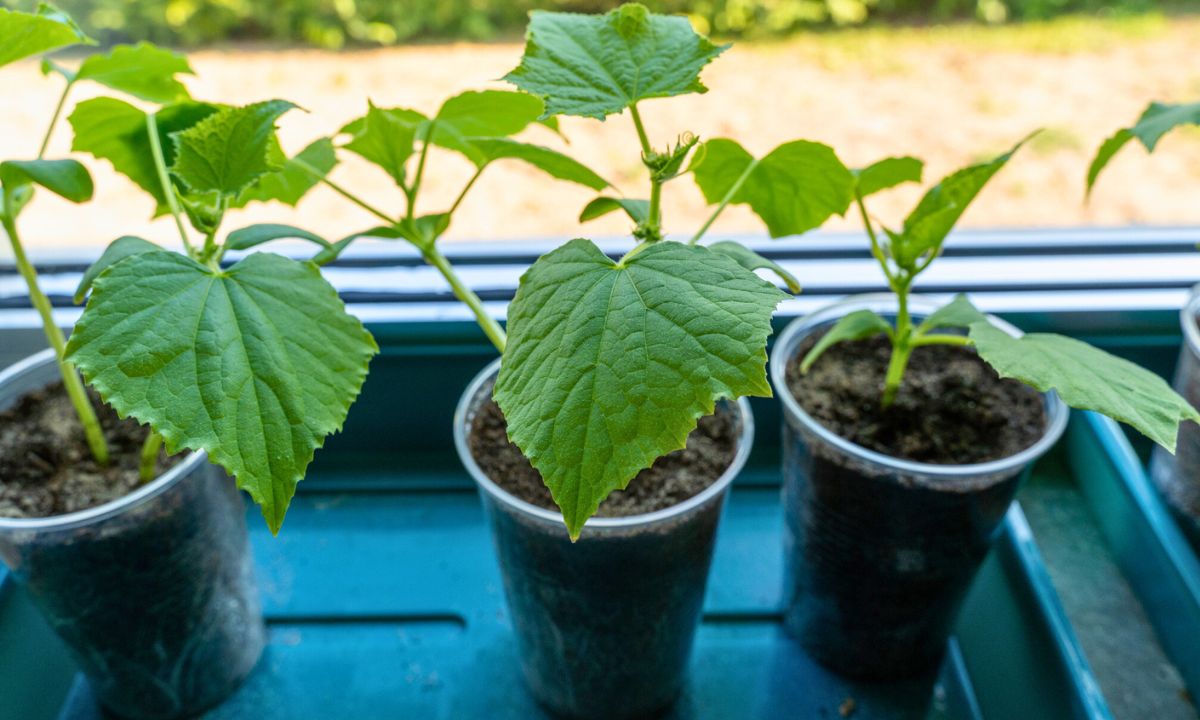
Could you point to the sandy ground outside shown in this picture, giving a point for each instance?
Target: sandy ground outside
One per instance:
(948, 95)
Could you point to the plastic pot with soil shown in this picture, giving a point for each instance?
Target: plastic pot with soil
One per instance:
(1178, 476)
(149, 585)
(890, 513)
(604, 625)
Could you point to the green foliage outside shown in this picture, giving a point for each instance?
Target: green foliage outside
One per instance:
(342, 23)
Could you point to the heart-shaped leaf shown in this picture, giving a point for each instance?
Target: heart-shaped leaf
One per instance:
(25, 34)
(256, 364)
(610, 364)
(143, 71)
(229, 150)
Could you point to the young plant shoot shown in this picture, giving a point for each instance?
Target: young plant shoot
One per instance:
(1157, 120)
(1084, 377)
(255, 362)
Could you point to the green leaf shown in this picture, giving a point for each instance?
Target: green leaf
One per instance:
(609, 365)
(143, 71)
(794, 189)
(66, 178)
(858, 325)
(291, 181)
(637, 210)
(551, 162)
(24, 34)
(229, 150)
(490, 113)
(751, 260)
(1088, 379)
(1157, 120)
(255, 235)
(116, 251)
(888, 173)
(926, 227)
(959, 313)
(597, 65)
(256, 364)
(385, 137)
(113, 130)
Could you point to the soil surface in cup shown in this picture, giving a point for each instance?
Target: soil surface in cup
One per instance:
(46, 468)
(672, 479)
(952, 407)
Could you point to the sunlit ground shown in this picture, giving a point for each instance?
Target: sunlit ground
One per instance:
(949, 95)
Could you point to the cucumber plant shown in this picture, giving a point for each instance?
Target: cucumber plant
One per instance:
(1155, 121)
(254, 362)
(1084, 377)
(608, 364)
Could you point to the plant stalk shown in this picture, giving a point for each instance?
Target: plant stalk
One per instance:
(71, 380)
(164, 181)
(733, 189)
(344, 192)
(62, 101)
(149, 460)
(487, 323)
(902, 344)
(462, 195)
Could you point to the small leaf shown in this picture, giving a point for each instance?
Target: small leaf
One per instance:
(551, 162)
(751, 260)
(227, 151)
(959, 313)
(116, 251)
(1087, 379)
(927, 226)
(794, 189)
(490, 114)
(24, 34)
(637, 210)
(291, 182)
(254, 235)
(597, 65)
(858, 325)
(116, 131)
(888, 173)
(1157, 120)
(385, 138)
(66, 178)
(256, 364)
(609, 365)
(143, 71)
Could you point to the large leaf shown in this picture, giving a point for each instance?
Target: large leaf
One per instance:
(116, 131)
(927, 226)
(66, 178)
(793, 189)
(597, 65)
(291, 182)
(256, 364)
(116, 251)
(609, 365)
(1157, 120)
(385, 137)
(485, 114)
(858, 325)
(1088, 379)
(549, 161)
(229, 150)
(888, 173)
(26, 34)
(143, 71)
(751, 260)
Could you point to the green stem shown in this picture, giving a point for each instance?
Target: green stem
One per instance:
(487, 323)
(164, 181)
(941, 339)
(643, 138)
(733, 189)
(902, 343)
(344, 192)
(71, 381)
(62, 101)
(416, 183)
(652, 228)
(149, 461)
(876, 248)
(463, 194)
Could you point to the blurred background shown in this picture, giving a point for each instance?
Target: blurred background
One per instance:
(950, 81)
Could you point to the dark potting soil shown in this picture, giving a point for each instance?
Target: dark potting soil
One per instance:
(672, 479)
(46, 468)
(952, 407)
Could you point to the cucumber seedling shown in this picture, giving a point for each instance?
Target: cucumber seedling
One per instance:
(1085, 377)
